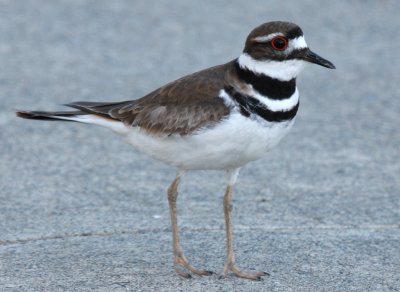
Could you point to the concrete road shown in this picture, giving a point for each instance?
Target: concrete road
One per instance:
(80, 210)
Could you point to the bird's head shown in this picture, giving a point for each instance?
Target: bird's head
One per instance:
(278, 49)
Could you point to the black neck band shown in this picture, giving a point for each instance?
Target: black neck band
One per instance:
(265, 85)
(250, 105)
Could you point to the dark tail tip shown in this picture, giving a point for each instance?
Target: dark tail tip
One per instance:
(36, 115)
(25, 114)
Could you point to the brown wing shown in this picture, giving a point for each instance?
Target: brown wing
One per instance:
(180, 107)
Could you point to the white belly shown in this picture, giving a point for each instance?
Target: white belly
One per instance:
(232, 143)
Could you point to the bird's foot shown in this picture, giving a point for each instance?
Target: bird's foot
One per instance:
(181, 262)
(256, 276)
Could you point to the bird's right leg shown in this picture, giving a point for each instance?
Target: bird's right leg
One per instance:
(179, 257)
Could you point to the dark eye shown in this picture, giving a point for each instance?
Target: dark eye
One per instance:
(279, 43)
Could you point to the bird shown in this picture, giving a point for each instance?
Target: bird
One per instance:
(219, 118)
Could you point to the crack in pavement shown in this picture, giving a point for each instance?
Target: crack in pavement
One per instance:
(104, 233)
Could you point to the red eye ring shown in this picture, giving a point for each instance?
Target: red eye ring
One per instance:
(279, 43)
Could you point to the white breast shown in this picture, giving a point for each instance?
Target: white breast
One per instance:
(230, 144)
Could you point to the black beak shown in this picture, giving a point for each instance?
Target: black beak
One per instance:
(314, 58)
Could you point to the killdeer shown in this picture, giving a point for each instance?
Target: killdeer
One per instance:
(219, 118)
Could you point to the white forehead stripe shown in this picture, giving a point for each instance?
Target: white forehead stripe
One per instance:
(267, 38)
(298, 43)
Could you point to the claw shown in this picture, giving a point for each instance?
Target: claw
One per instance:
(183, 274)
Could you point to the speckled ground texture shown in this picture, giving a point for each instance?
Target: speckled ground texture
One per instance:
(80, 210)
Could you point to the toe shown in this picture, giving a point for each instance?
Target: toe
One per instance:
(256, 276)
(200, 272)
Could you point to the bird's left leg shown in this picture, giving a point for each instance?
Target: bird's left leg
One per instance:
(230, 264)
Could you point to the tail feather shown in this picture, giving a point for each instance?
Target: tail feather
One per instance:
(82, 108)
(52, 116)
(97, 113)
(98, 108)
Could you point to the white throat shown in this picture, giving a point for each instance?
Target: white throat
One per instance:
(281, 70)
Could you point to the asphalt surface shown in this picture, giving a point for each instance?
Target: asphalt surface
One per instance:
(80, 210)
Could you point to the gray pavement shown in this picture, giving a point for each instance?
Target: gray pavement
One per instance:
(80, 210)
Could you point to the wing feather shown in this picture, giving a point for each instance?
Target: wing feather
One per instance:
(180, 107)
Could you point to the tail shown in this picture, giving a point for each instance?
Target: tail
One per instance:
(83, 109)
(87, 112)
(73, 116)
